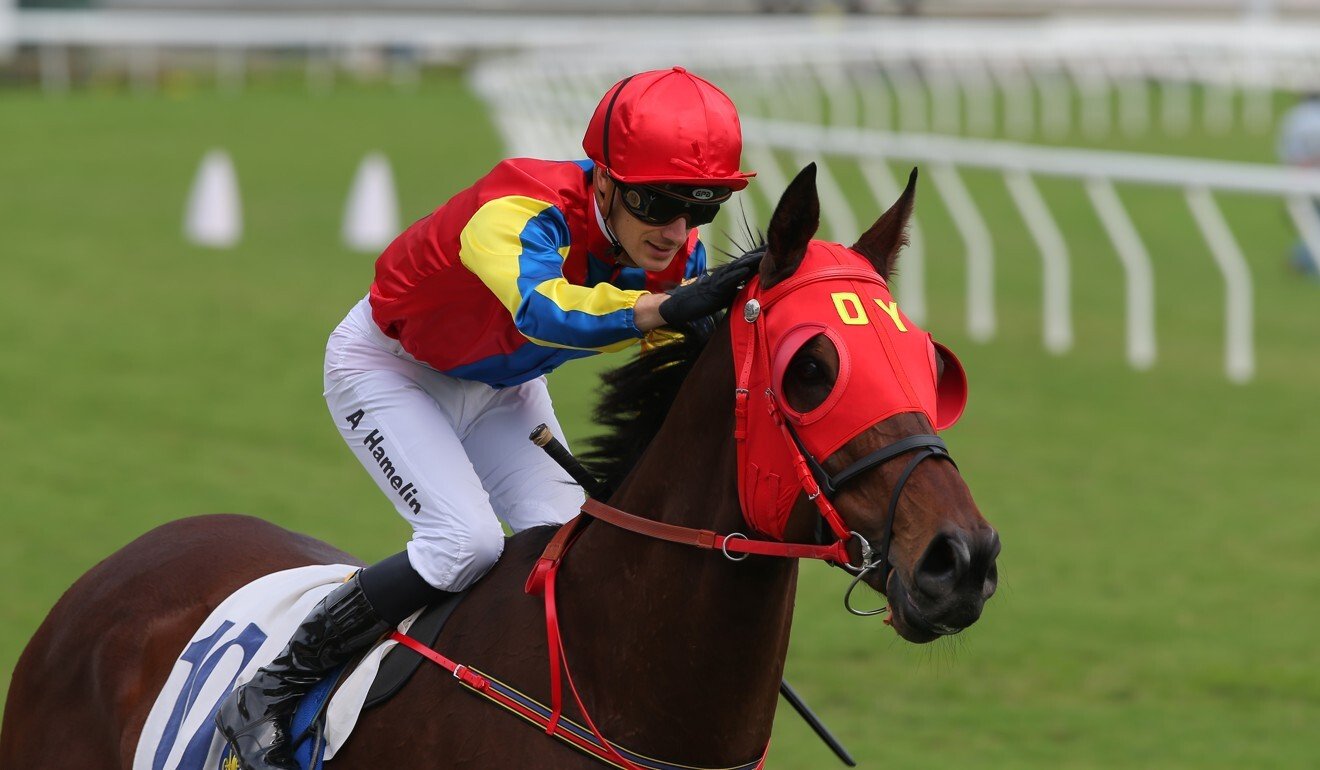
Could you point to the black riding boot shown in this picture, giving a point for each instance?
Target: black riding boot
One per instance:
(254, 719)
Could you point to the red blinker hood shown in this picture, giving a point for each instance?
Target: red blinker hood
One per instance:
(887, 366)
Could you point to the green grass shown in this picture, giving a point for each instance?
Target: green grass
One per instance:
(1158, 581)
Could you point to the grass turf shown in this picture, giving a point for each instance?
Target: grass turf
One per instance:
(1159, 527)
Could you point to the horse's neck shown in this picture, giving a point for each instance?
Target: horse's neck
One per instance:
(683, 641)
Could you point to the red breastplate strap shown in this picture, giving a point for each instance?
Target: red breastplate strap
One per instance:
(542, 582)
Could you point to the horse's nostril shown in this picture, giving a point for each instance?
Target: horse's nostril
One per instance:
(991, 581)
(939, 568)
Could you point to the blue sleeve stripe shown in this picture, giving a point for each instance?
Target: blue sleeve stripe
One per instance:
(541, 259)
(555, 312)
(542, 319)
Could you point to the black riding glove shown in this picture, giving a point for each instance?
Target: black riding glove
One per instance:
(709, 293)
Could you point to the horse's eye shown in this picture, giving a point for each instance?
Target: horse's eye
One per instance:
(808, 370)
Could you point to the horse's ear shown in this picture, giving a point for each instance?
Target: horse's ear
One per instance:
(888, 235)
(795, 220)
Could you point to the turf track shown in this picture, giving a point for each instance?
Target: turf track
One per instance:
(1157, 607)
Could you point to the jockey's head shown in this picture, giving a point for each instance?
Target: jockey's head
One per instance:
(666, 145)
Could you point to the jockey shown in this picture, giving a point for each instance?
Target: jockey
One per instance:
(436, 378)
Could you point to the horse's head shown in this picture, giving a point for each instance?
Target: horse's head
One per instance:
(841, 393)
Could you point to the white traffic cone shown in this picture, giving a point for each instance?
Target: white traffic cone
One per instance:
(214, 217)
(371, 218)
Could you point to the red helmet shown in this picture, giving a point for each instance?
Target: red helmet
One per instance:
(667, 127)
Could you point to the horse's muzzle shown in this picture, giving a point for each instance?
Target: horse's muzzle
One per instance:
(949, 586)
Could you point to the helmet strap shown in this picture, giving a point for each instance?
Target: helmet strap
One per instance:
(616, 248)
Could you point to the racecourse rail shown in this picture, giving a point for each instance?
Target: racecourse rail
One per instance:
(942, 75)
(865, 89)
(538, 101)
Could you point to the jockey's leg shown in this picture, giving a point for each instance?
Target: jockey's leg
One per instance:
(402, 421)
(254, 718)
(405, 422)
(526, 487)
(346, 622)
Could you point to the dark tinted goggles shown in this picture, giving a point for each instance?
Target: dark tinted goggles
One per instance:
(660, 205)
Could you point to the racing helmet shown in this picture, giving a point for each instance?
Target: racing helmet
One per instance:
(667, 127)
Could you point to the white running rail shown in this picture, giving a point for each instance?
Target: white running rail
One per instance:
(540, 112)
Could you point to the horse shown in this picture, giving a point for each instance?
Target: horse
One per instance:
(677, 652)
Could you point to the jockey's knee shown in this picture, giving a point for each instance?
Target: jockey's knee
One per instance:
(553, 511)
(453, 561)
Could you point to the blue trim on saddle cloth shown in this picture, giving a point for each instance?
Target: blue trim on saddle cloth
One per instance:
(307, 726)
(586, 735)
(308, 723)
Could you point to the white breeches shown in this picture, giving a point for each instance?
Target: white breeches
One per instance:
(451, 455)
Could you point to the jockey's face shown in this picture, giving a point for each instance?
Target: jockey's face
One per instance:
(650, 247)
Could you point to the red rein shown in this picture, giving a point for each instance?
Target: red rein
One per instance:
(541, 582)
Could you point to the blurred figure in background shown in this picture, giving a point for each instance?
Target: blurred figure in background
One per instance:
(1299, 145)
(437, 376)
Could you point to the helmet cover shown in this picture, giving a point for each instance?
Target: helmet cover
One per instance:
(667, 127)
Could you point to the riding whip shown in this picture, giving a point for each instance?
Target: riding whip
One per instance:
(543, 438)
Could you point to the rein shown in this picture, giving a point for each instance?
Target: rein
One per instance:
(541, 582)
(735, 546)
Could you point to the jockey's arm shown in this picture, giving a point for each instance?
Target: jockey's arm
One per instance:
(516, 246)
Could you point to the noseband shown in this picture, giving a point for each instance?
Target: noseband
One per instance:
(873, 557)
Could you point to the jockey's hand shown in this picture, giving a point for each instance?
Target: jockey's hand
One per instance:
(709, 293)
(700, 328)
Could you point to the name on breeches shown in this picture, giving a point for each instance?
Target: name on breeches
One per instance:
(375, 441)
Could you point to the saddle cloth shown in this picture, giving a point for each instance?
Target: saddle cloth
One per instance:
(244, 633)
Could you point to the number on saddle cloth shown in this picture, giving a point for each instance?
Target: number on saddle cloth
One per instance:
(308, 725)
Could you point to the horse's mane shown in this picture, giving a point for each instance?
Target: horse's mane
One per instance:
(635, 399)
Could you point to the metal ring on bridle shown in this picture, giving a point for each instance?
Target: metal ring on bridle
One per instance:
(847, 597)
(724, 546)
(868, 553)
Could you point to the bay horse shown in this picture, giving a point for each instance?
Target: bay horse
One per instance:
(678, 653)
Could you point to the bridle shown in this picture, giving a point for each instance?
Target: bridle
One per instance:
(792, 307)
(873, 557)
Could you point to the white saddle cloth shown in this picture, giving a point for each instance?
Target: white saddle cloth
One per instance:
(243, 634)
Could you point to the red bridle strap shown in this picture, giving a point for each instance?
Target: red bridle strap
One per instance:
(836, 552)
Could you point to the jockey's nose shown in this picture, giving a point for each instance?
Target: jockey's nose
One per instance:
(676, 230)
(959, 564)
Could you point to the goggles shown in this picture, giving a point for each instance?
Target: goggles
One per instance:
(662, 204)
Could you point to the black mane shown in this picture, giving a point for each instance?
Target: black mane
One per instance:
(634, 401)
(635, 398)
